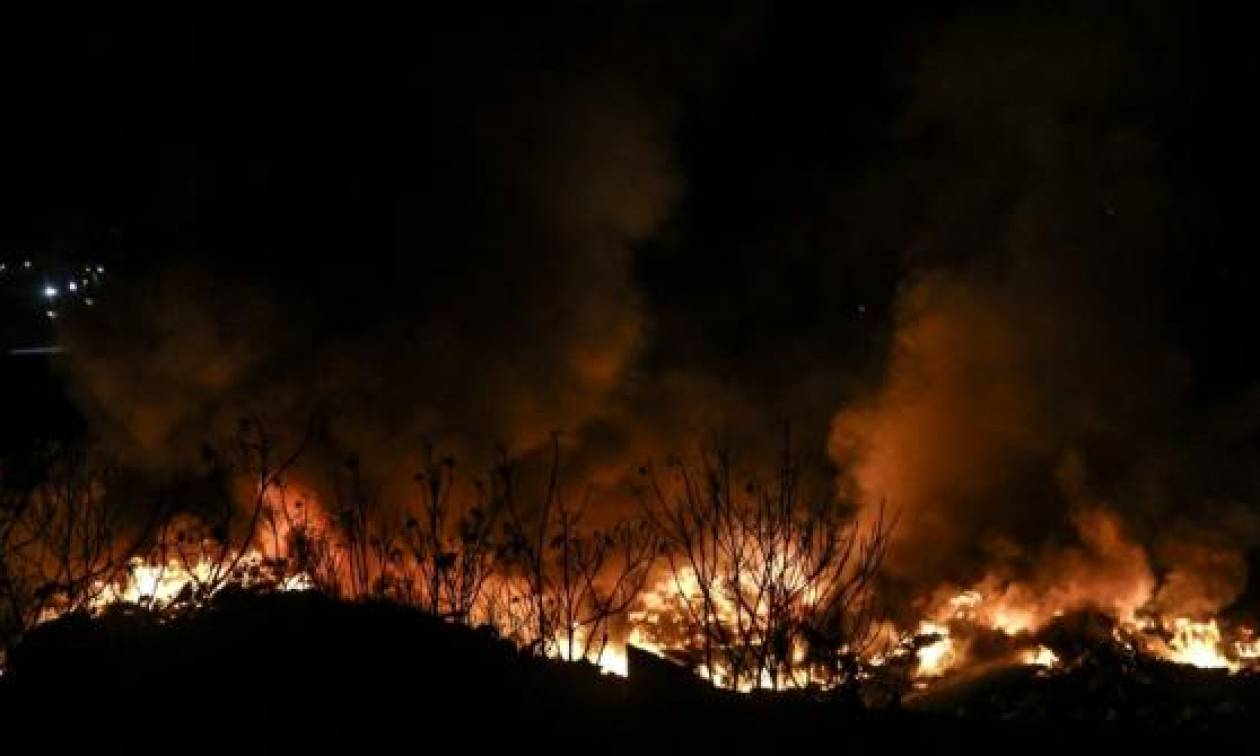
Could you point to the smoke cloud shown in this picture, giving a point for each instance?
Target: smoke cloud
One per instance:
(951, 260)
(1035, 425)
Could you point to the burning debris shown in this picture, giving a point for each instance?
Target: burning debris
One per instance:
(965, 632)
(742, 590)
(749, 590)
(986, 287)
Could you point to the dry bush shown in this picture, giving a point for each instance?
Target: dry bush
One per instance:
(773, 588)
(568, 584)
(62, 541)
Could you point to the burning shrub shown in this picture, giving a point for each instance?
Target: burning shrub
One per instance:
(567, 584)
(61, 540)
(768, 587)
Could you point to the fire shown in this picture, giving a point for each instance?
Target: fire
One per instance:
(614, 662)
(657, 624)
(942, 650)
(681, 612)
(1198, 644)
(610, 657)
(939, 655)
(1247, 646)
(161, 584)
(164, 586)
(1182, 640)
(1040, 657)
(659, 621)
(662, 621)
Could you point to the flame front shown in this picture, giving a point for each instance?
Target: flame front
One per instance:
(1008, 616)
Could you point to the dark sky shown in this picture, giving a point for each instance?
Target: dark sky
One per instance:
(632, 222)
(259, 140)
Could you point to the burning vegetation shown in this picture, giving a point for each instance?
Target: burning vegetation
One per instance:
(749, 584)
(995, 287)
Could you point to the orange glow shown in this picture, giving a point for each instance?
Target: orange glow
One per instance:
(939, 656)
(162, 586)
(1040, 657)
(1181, 640)
(663, 618)
(1198, 644)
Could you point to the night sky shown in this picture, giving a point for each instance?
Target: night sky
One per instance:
(1008, 245)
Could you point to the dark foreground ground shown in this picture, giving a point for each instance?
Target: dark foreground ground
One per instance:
(299, 668)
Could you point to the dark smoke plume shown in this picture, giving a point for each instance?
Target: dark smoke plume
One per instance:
(953, 261)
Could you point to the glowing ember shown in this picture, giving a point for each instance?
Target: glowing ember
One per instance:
(1040, 657)
(938, 656)
(1247, 646)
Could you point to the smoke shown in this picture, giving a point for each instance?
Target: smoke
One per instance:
(1034, 425)
(470, 283)
(950, 259)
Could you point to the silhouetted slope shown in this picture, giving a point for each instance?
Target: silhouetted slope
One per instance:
(306, 666)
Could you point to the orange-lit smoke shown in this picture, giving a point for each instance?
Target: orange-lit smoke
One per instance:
(997, 400)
